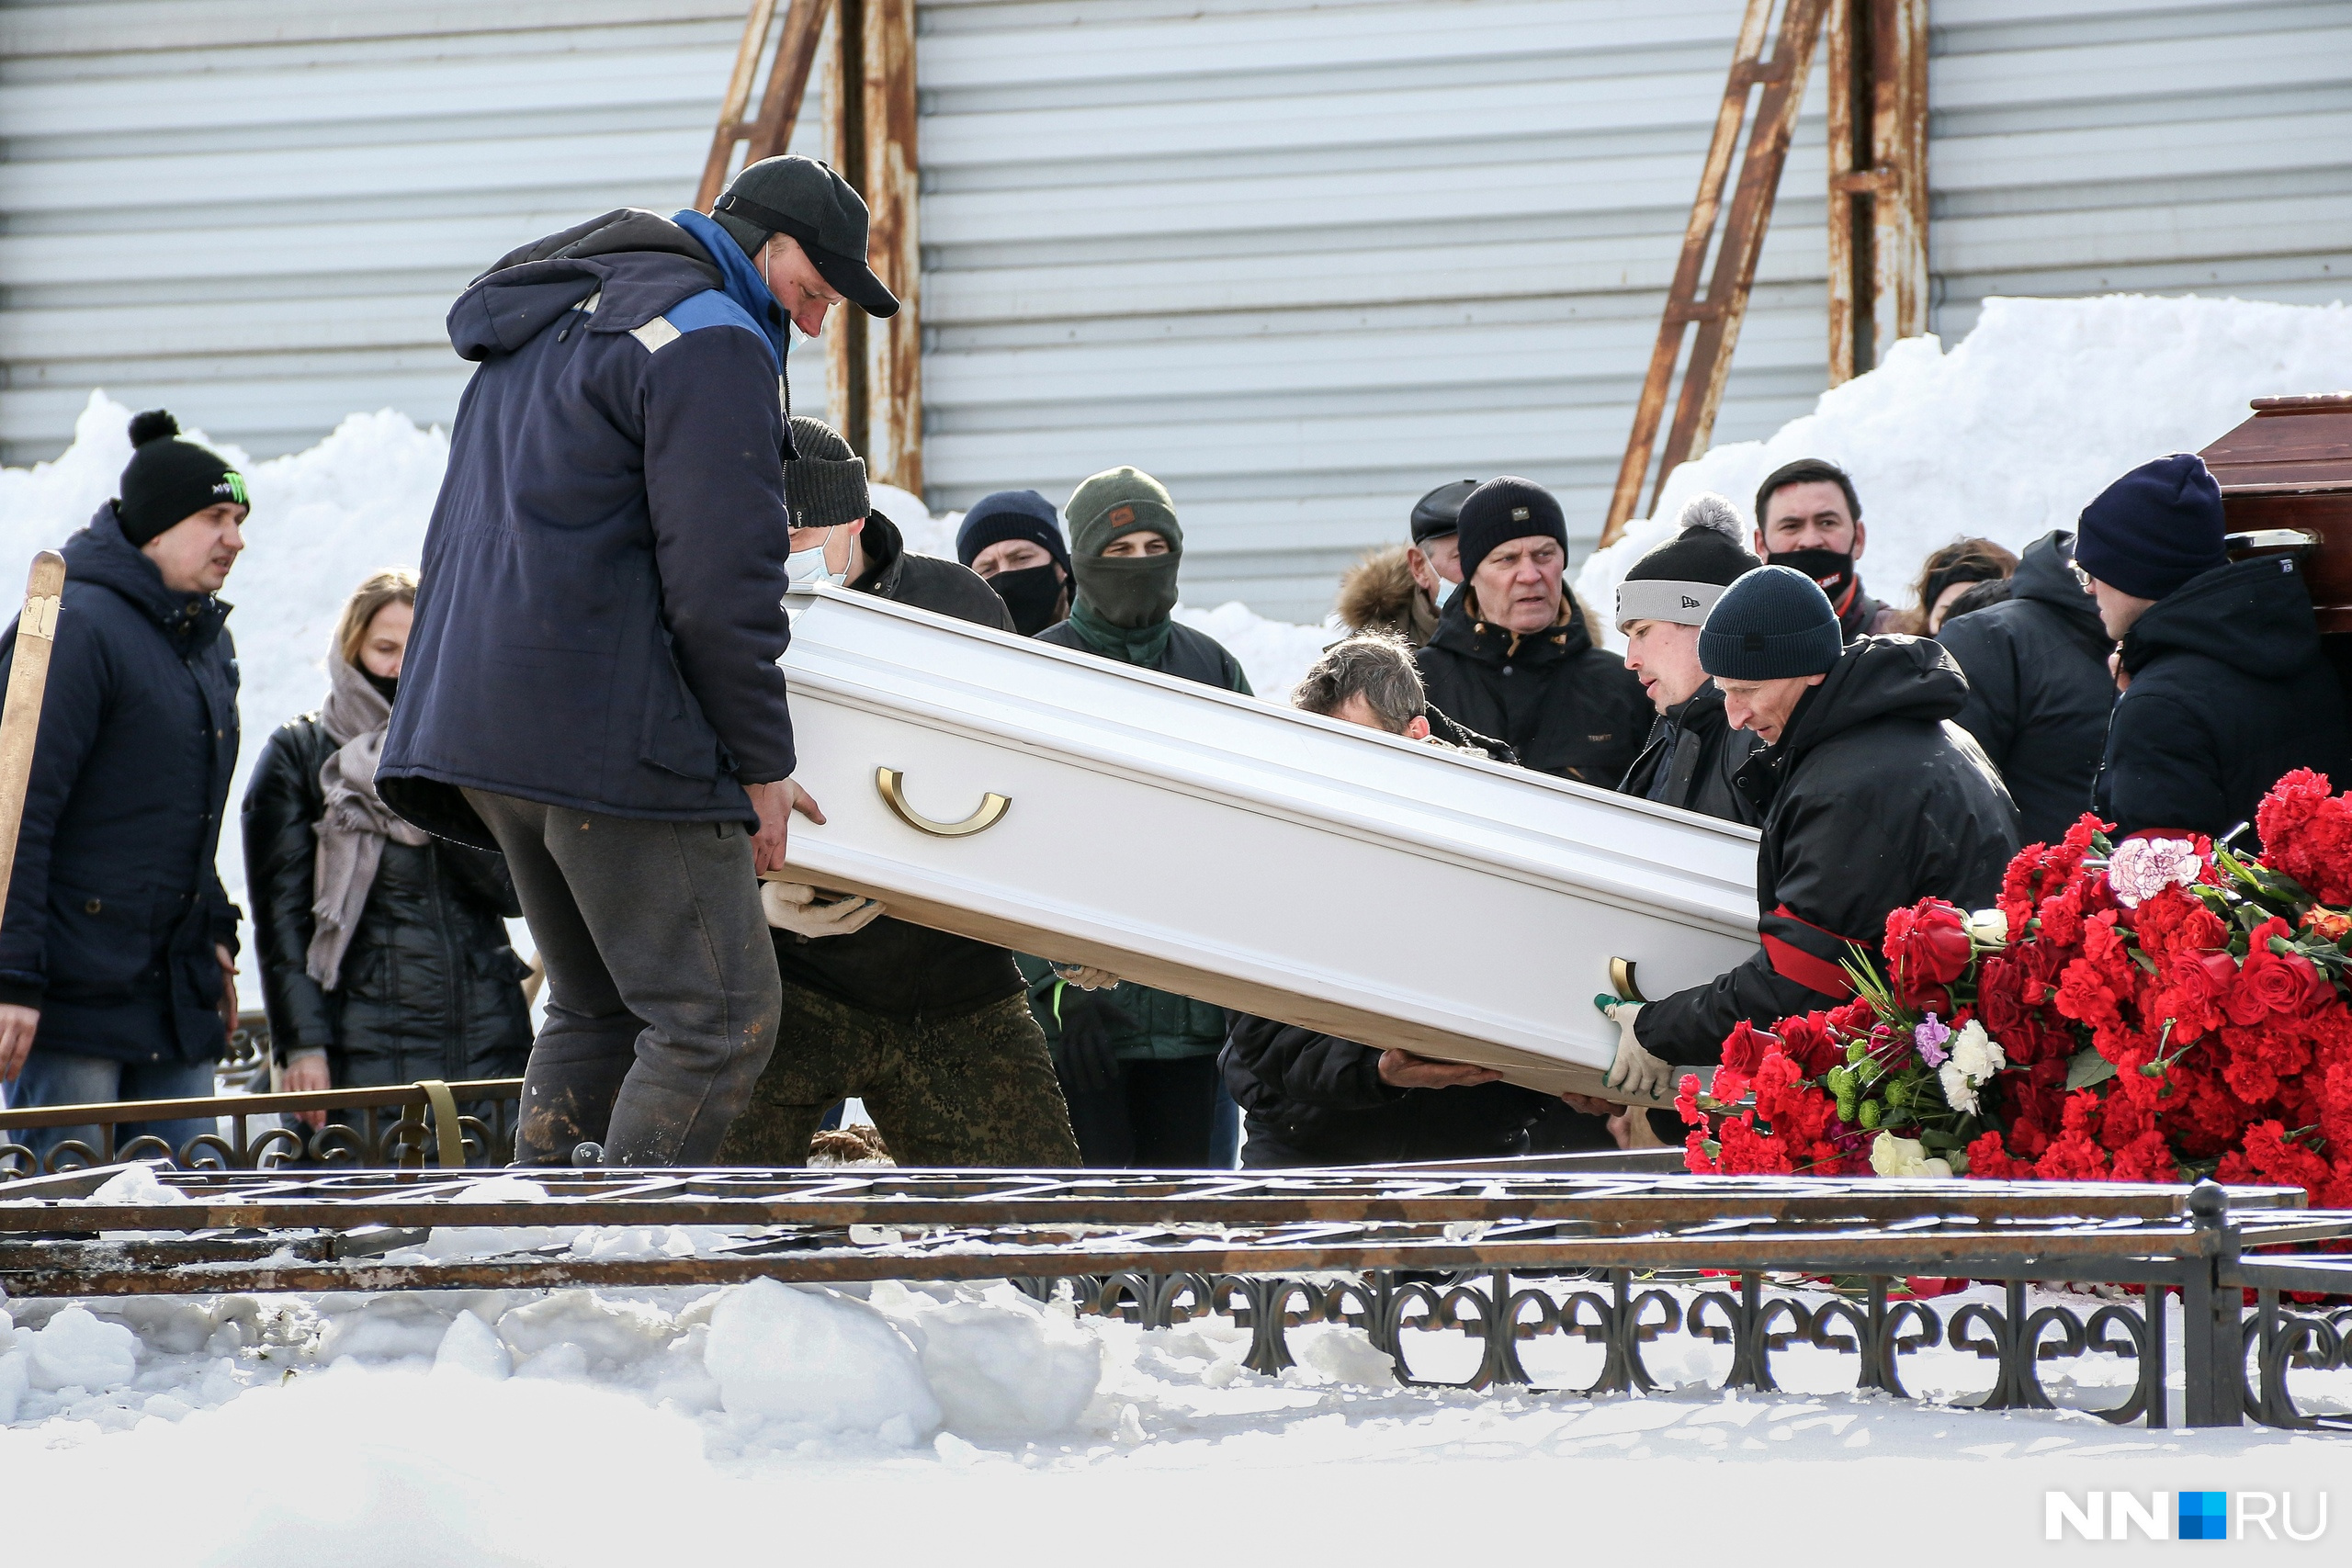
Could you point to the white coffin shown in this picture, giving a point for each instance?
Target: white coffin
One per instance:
(1242, 852)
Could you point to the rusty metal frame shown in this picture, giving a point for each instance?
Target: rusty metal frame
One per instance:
(766, 131)
(874, 368)
(1878, 179)
(1717, 317)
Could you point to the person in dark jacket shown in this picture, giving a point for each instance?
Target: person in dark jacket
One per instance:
(118, 950)
(2039, 690)
(932, 1031)
(1877, 801)
(2226, 689)
(1138, 1065)
(1945, 578)
(591, 683)
(383, 951)
(1693, 755)
(1514, 657)
(1014, 540)
(1809, 519)
(1400, 590)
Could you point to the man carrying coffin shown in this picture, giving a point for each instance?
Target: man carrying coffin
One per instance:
(1694, 756)
(591, 685)
(1874, 799)
(932, 1031)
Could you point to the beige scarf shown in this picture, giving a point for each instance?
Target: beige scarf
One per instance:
(352, 830)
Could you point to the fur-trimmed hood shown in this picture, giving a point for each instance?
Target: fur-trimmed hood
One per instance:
(1378, 594)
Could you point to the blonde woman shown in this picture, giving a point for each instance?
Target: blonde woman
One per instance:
(384, 956)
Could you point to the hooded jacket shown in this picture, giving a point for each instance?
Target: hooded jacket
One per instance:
(115, 903)
(601, 608)
(1876, 800)
(1694, 760)
(2229, 690)
(2038, 692)
(893, 967)
(1567, 707)
(429, 987)
(1378, 594)
(1315, 1099)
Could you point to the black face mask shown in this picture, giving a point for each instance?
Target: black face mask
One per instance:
(1034, 595)
(386, 686)
(1833, 569)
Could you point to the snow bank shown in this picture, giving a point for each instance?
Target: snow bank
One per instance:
(2007, 436)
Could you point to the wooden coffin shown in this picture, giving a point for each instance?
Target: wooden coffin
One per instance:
(2286, 478)
(1235, 851)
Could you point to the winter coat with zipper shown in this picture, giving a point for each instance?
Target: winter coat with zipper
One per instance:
(429, 987)
(1315, 1099)
(1876, 800)
(601, 609)
(2038, 692)
(2229, 690)
(1694, 760)
(114, 905)
(1567, 707)
(894, 968)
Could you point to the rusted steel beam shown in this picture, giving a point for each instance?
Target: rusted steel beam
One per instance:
(847, 353)
(767, 132)
(1878, 179)
(893, 191)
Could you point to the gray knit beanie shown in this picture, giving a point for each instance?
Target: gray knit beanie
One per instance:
(825, 485)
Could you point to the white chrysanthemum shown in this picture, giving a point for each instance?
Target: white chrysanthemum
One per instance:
(1974, 1052)
(1959, 1093)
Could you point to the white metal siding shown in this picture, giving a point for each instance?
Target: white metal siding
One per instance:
(257, 211)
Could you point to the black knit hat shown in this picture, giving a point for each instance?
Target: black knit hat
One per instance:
(1680, 579)
(1010, 514)
(1774, 623)
(805, 199)
(1439, 513)
(1505, 509)
(825, 484)
(2154, 528)
(169, 480)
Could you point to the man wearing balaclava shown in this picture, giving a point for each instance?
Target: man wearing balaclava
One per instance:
(1809, 519)
(1139, 1066)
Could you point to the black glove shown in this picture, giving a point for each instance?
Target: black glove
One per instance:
(1083, 1059)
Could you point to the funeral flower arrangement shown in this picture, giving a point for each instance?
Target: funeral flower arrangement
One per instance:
(2149, 1009)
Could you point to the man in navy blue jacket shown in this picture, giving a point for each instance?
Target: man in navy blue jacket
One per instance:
(117, 952)
(591, 685)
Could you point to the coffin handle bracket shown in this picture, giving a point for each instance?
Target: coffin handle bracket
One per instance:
(890, 782)
(1622, 981)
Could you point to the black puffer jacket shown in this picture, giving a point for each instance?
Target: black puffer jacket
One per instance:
(1694, 760)
(1877, 801)
(1316, 1099)
(1567, 707)
(891, 967)
(430, 989)
(2038, 692)
(2229, 692)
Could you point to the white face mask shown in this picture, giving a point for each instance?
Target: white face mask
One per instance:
(810, 566)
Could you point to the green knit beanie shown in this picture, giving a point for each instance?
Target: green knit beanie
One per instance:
(1118, 501)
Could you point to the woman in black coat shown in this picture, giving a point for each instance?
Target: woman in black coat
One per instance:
(384, 956)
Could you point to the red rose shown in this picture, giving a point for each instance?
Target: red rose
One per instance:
(2000, 999)
(1935, 1000)
(1744, 1049)
(1927, 944)
(2271, 983)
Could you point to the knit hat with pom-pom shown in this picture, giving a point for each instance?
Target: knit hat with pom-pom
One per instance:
(168, 480)
(1680, 579)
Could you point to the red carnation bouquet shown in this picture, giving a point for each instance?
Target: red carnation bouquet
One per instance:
(2152, 1009)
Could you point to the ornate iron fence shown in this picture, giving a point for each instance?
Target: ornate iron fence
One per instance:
(1501, 1255)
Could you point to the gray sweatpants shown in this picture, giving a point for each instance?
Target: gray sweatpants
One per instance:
(662, 995)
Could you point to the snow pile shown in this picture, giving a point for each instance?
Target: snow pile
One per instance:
(2040, 408)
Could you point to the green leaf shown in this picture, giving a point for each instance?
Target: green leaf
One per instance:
(1936, 1138)
(2087, 1067)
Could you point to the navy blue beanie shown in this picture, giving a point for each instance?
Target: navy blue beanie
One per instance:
(1010, 514)
(1771, 624)
(1505, 509)
(2154, 528)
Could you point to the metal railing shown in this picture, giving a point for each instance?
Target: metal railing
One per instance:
(401, 1125)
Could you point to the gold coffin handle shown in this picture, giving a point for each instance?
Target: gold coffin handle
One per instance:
(1621, 980)
(891, 785)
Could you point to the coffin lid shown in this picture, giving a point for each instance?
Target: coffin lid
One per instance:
(2290, 444)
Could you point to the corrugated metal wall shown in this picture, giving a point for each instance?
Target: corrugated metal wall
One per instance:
(1301, 261)
(256, 212)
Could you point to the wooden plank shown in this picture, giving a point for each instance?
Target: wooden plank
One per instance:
(729, 130)
(20, 720)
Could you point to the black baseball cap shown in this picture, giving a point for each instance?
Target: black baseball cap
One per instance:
(806, 200)
(1440, 511)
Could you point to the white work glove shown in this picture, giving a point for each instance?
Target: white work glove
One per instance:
(1634, 1071)
(1086, 977)
(793, 906)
